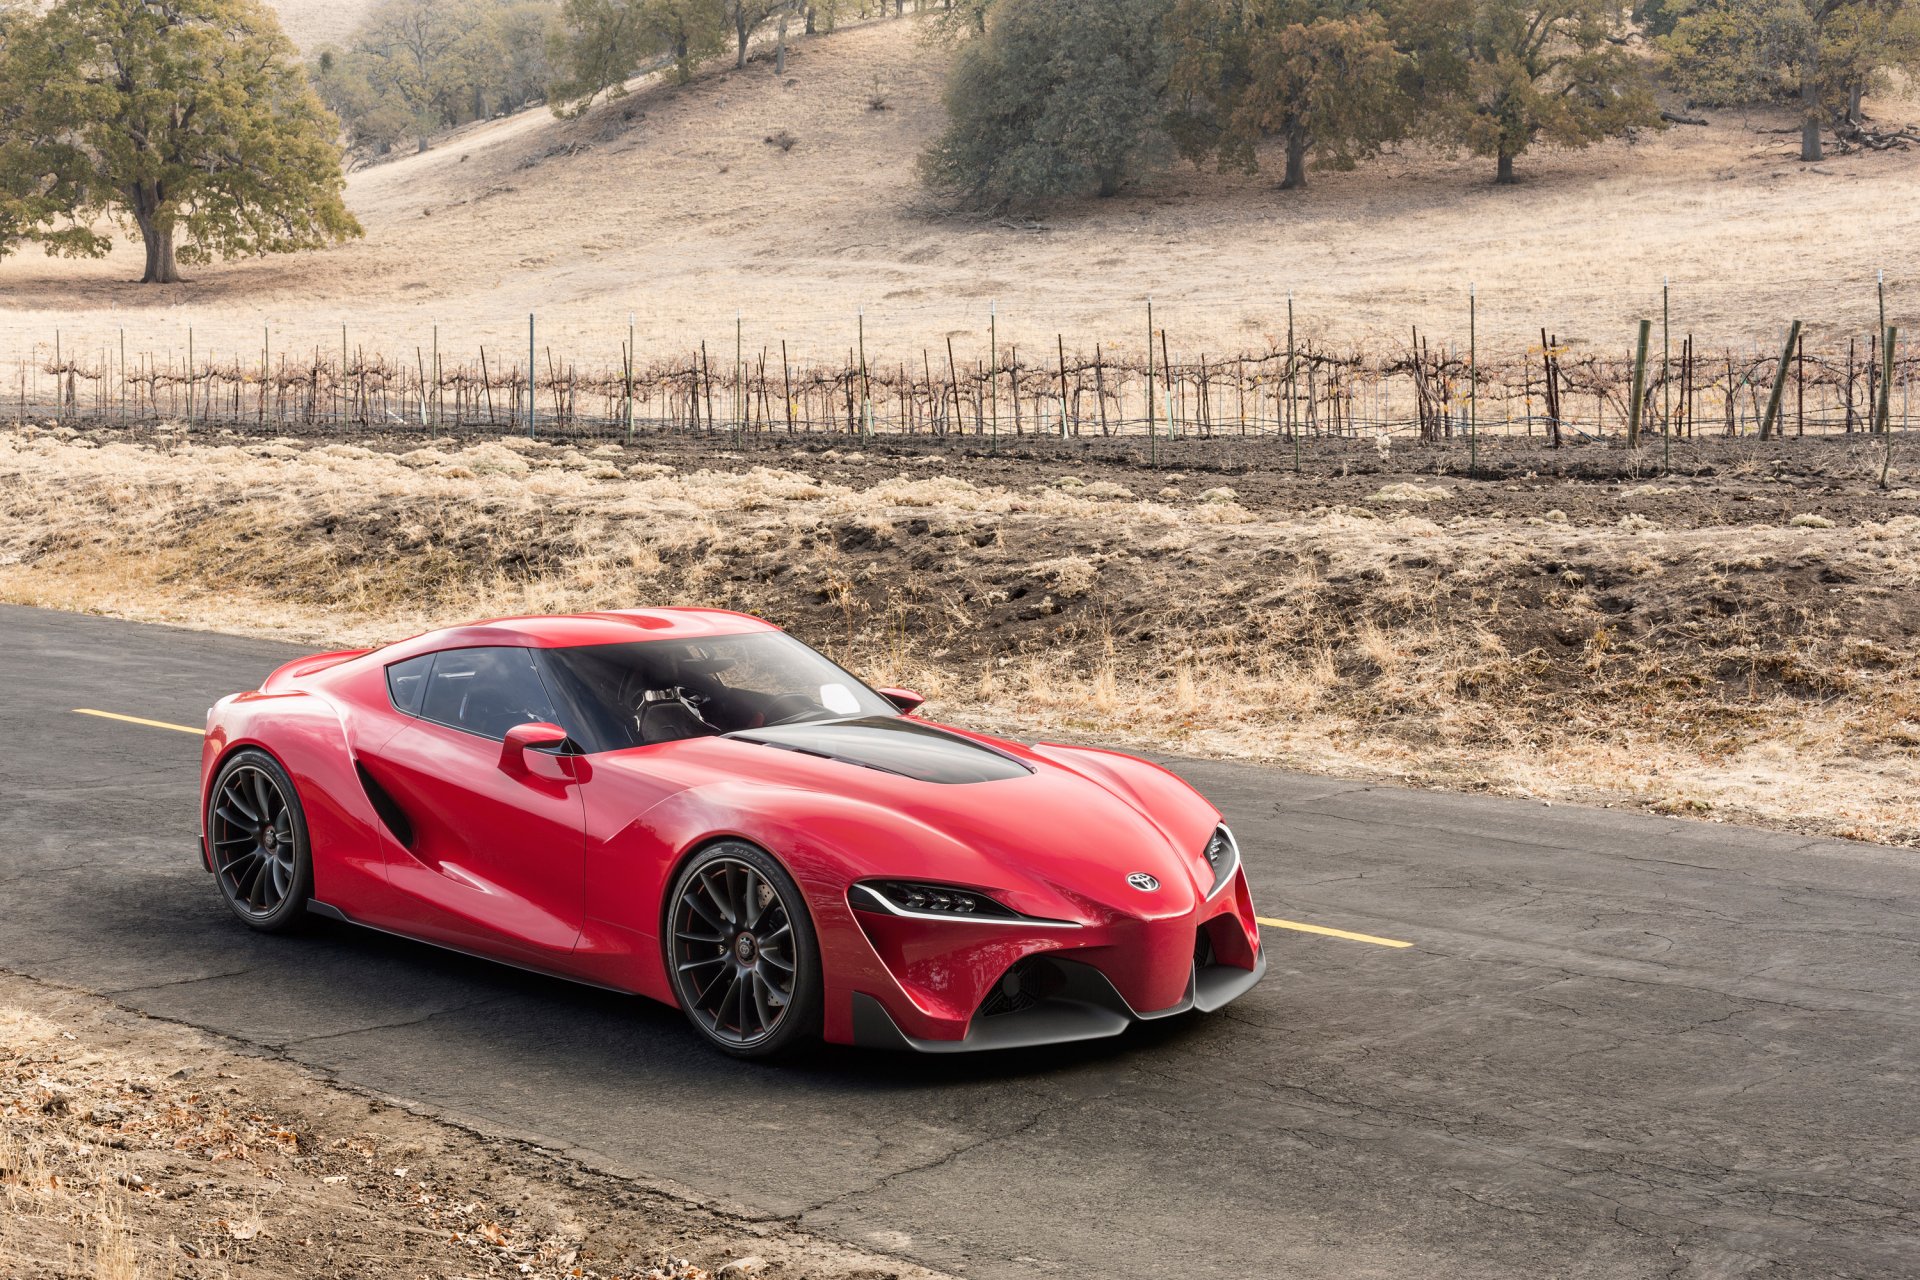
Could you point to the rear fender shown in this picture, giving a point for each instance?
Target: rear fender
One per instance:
(286, 678)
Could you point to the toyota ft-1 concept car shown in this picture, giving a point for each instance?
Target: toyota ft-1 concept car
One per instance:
(694, 806)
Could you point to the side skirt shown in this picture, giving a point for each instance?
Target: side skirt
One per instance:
(331, 912)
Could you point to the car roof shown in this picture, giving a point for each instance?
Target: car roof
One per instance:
(560, 631)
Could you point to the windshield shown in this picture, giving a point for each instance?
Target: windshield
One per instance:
(632, 695)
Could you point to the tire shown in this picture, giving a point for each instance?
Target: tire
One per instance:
(741, 952)
(257, 841)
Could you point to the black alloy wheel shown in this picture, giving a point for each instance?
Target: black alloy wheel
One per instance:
(257, 835)
(742, 952)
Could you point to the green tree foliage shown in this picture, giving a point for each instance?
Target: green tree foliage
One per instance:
(1825, 55)
(190, 120)
(415, 67)
(602, 43)
(1321, 74)
(1556, 71)
(40, 174)
(1058, 98)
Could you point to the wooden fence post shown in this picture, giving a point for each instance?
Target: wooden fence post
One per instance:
(1779, 382)
(1639, 384)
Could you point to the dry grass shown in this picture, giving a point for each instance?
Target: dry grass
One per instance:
(670, 205)
(138, 1150)
(1692, 670)
(312, 23)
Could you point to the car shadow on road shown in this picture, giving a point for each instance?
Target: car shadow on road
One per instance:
(593, 1031)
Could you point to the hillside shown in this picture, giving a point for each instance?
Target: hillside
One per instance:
(312, 23)
(672, 205)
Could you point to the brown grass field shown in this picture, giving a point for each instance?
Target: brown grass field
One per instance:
(670, 205)
(1734, 640)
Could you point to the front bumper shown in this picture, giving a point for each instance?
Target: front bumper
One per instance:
(1088, 1007)
(957, 987)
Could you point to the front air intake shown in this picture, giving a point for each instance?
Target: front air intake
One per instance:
(1025, 985)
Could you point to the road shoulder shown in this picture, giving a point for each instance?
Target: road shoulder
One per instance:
(134, 1146)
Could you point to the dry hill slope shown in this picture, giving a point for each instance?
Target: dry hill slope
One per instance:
(672, 205)
(312, 23)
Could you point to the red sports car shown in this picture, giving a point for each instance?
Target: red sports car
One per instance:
(694, 806)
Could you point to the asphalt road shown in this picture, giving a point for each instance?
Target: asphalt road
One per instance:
(1618, 1046)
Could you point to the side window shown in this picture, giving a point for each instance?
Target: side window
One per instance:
(407, 682)
(485, 691)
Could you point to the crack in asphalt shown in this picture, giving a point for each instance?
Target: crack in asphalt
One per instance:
(948, 1157)
(283, 1045)
(175, 982)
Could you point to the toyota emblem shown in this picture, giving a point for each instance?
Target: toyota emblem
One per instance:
(1143, 882)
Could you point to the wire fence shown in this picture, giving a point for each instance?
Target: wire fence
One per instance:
(1293, 390)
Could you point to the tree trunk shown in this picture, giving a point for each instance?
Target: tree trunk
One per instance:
(161, 268)
(144, 201)
(1504, 175)
(741, 32)
(780, 52)
(1810, 121)
(1296, 160)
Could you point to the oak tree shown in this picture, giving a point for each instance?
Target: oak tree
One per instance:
(1323, 75)
(190, 119)
(1823, 55)
(1058, 98)
(603, 43)
(1557, 71)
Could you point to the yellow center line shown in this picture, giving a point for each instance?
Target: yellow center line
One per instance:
(151, 724)
(1330, 933)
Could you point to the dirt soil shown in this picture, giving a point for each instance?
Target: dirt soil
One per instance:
(672, 206)
(1730, 638)
(133, 1148)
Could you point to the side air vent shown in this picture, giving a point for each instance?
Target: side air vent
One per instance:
(391, 814)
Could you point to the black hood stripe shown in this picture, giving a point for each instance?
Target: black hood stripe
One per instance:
(893, 744)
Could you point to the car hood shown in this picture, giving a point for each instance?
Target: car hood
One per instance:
(1078, 822)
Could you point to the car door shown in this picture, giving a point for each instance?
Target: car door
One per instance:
(494, 839)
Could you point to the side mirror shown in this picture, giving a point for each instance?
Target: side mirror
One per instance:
(522, 738)
(906, 699)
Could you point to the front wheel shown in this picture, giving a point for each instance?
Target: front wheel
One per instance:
(257, 835)
(741, 951)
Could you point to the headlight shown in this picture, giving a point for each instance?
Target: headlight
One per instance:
(944, 901)
(920, 901)
(1223, 855)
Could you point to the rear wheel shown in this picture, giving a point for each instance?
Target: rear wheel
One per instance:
(257, 835)
(742, 953)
